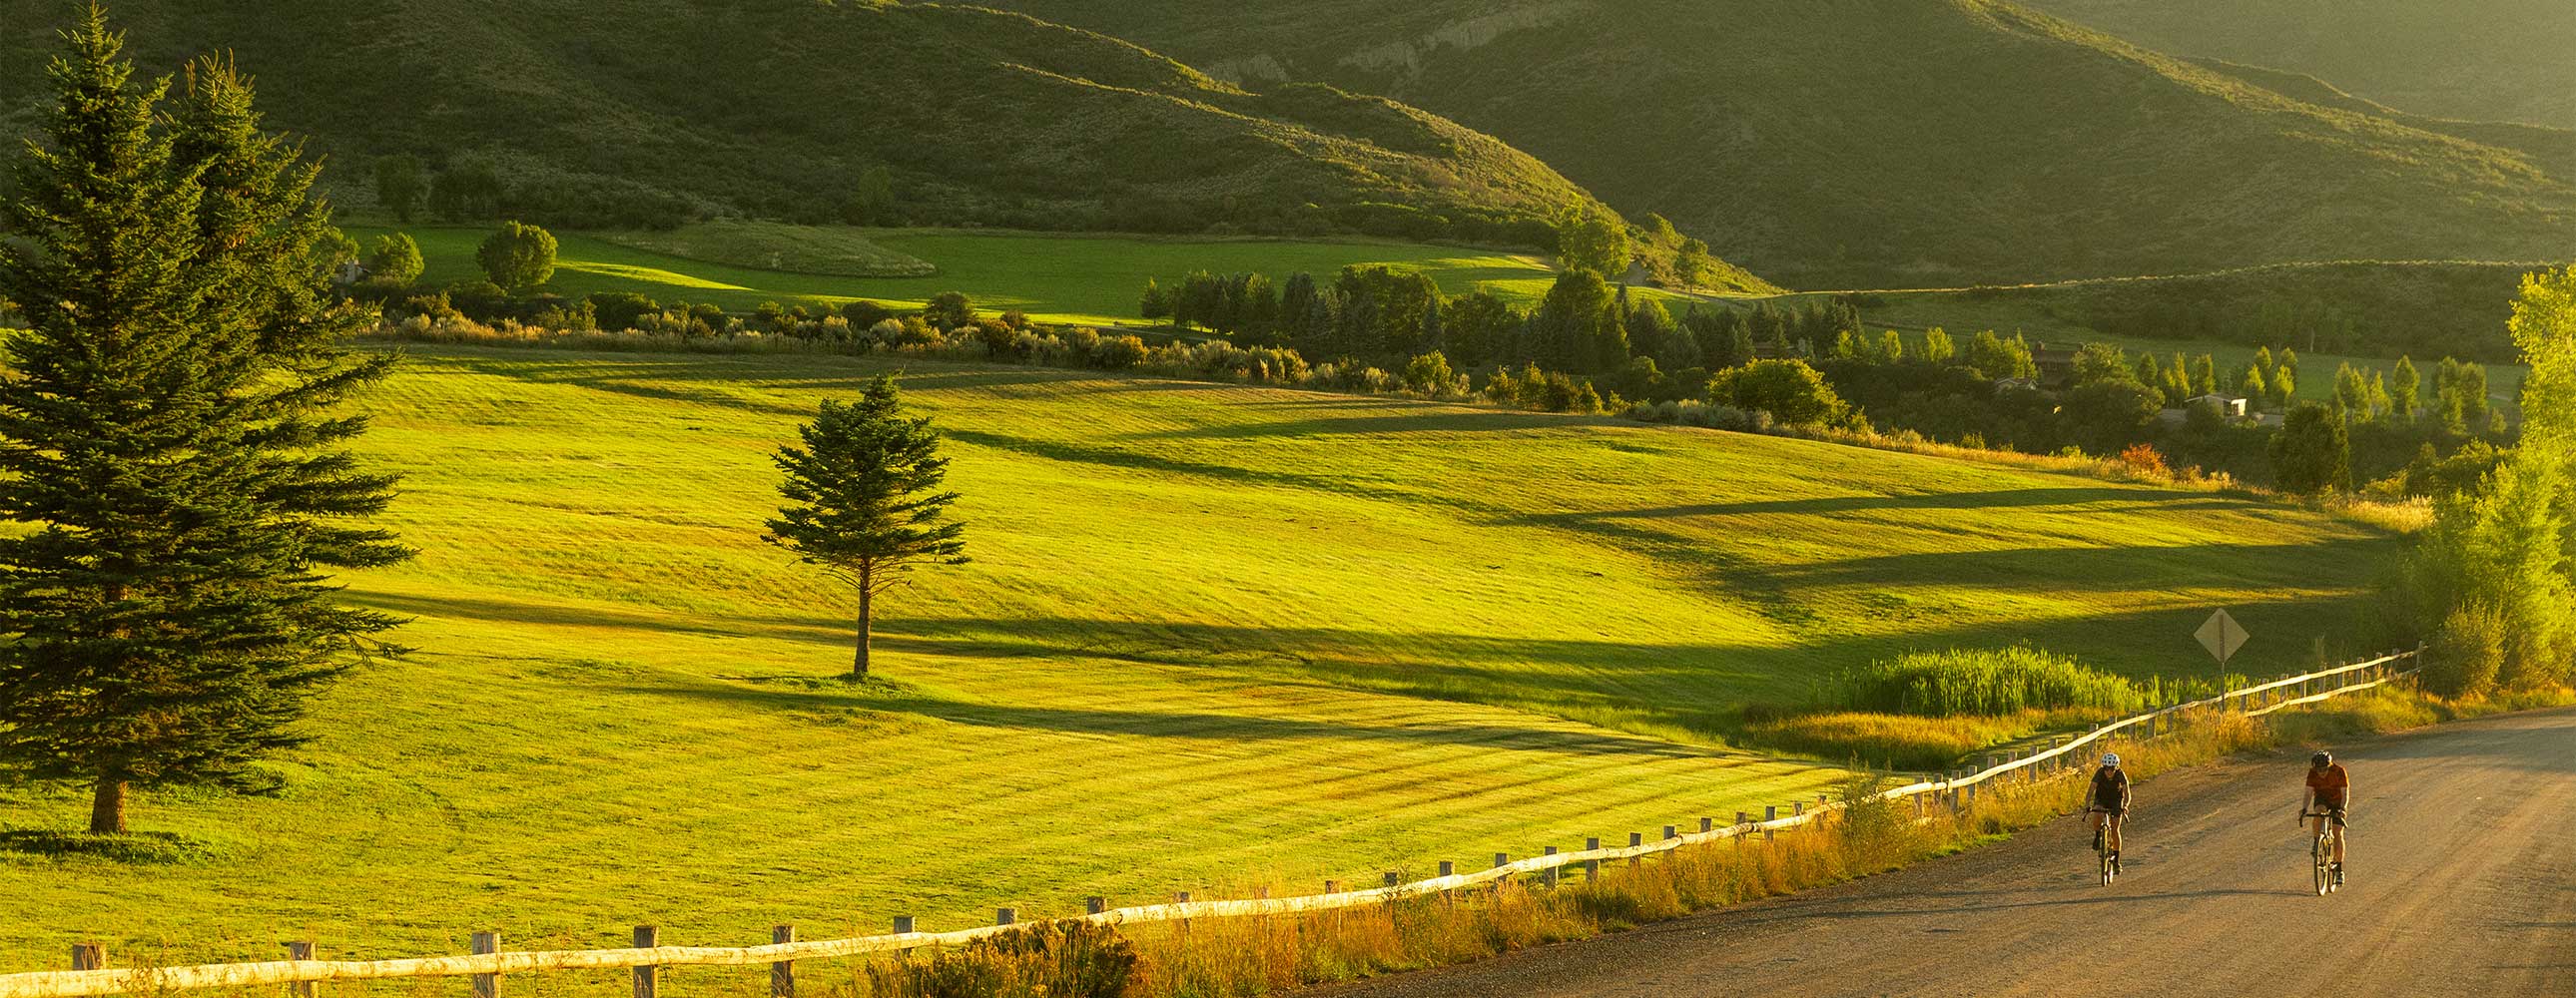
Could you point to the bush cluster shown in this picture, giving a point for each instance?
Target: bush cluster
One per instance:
(1965, 682)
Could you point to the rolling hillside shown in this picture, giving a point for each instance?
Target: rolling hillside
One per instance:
(1897, 143)
(642, 111)
(2489, 60)
(1213, 637)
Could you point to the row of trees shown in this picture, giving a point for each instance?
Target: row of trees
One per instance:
(1585, 324)
(2491, 584)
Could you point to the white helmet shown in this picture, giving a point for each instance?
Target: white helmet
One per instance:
(2111, 759)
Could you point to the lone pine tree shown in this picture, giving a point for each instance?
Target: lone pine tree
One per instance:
(167, 440)
(865, 500)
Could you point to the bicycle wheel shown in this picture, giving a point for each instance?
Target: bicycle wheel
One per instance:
(2323, 852)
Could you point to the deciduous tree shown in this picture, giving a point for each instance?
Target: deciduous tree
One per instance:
(518, 257)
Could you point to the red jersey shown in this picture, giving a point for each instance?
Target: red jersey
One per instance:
(2330, 784)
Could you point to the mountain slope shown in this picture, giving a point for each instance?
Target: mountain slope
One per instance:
(1899, 142)
(2479, 59)
(639, 111)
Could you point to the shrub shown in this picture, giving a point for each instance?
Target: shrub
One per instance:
(518, 257)
(395, 260)
(2143, 461)
(1067, 959)
(865, 314)
(1119, 353)
(1429, 374)
(949, 310)
(2467, 654)
(1001, 342)
(620, 309)
(1787, 389)
(1984, 682)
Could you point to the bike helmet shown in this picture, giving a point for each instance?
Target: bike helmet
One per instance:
(2111, 759)
(2321, 760)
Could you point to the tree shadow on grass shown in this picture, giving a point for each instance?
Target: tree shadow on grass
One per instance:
(1193, 725)
(132, 848)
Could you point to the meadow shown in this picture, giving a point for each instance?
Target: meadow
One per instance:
(1214, 637)
(1071, 279)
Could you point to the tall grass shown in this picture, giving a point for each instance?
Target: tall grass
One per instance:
(1963, 682)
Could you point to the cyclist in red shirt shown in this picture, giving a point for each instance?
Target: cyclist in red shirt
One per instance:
(2329, 794)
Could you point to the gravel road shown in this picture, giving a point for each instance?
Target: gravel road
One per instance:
(2462, 882)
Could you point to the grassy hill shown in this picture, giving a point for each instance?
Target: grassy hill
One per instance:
(623, 112)
(2500, 60)
(1903, 143)
(1214, 637)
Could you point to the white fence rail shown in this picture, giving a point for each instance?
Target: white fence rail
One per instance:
(92, 977)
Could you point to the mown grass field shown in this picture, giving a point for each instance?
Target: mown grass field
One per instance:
(1214, 637)
(1089, 280)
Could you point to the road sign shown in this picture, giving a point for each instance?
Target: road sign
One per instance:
(2222, 635)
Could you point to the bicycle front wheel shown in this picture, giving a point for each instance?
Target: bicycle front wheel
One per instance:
(2324, 856)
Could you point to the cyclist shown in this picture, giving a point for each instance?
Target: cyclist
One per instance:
(2110, 804)
(2329, 794)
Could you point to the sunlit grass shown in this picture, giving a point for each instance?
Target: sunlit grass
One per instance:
(1213, 635)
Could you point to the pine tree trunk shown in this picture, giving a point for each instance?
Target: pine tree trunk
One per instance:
(107, 808)
(867, 625)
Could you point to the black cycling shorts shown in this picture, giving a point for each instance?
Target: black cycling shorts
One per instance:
(2114, 810)
(2335, 813)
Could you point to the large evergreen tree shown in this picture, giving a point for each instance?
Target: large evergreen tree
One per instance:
(865, 499)
(165, 438)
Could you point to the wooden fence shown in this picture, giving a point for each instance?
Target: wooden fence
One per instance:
(91, 976)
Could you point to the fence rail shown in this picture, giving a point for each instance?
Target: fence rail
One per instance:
(92, 978)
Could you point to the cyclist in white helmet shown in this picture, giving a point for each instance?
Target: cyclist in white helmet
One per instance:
(2110, 804)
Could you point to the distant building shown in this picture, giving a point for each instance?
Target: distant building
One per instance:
(2230, 406)
(2025, 384)
(350, 272)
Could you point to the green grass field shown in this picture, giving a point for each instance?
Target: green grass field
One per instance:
(1088, 280)
(1213, 636)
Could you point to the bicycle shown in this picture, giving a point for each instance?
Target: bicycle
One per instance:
(2322, 851)
(2107, 857)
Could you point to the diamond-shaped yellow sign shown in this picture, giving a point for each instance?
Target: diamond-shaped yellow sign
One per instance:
(2222, 635)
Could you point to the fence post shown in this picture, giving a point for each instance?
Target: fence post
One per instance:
(1548, 877)
(1094, 905)
(903, 925)
(89, 956)
(1672, 832)
(1183, 897)
(648, 979)
(1591, 867)
(1635, 839)
(1742, 819)
(782, 974)
(485, 985)
(1005, 916)
(1770, 813)
(1393, 878)
(304, 989)
(1707, 825)
(1332, 887)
